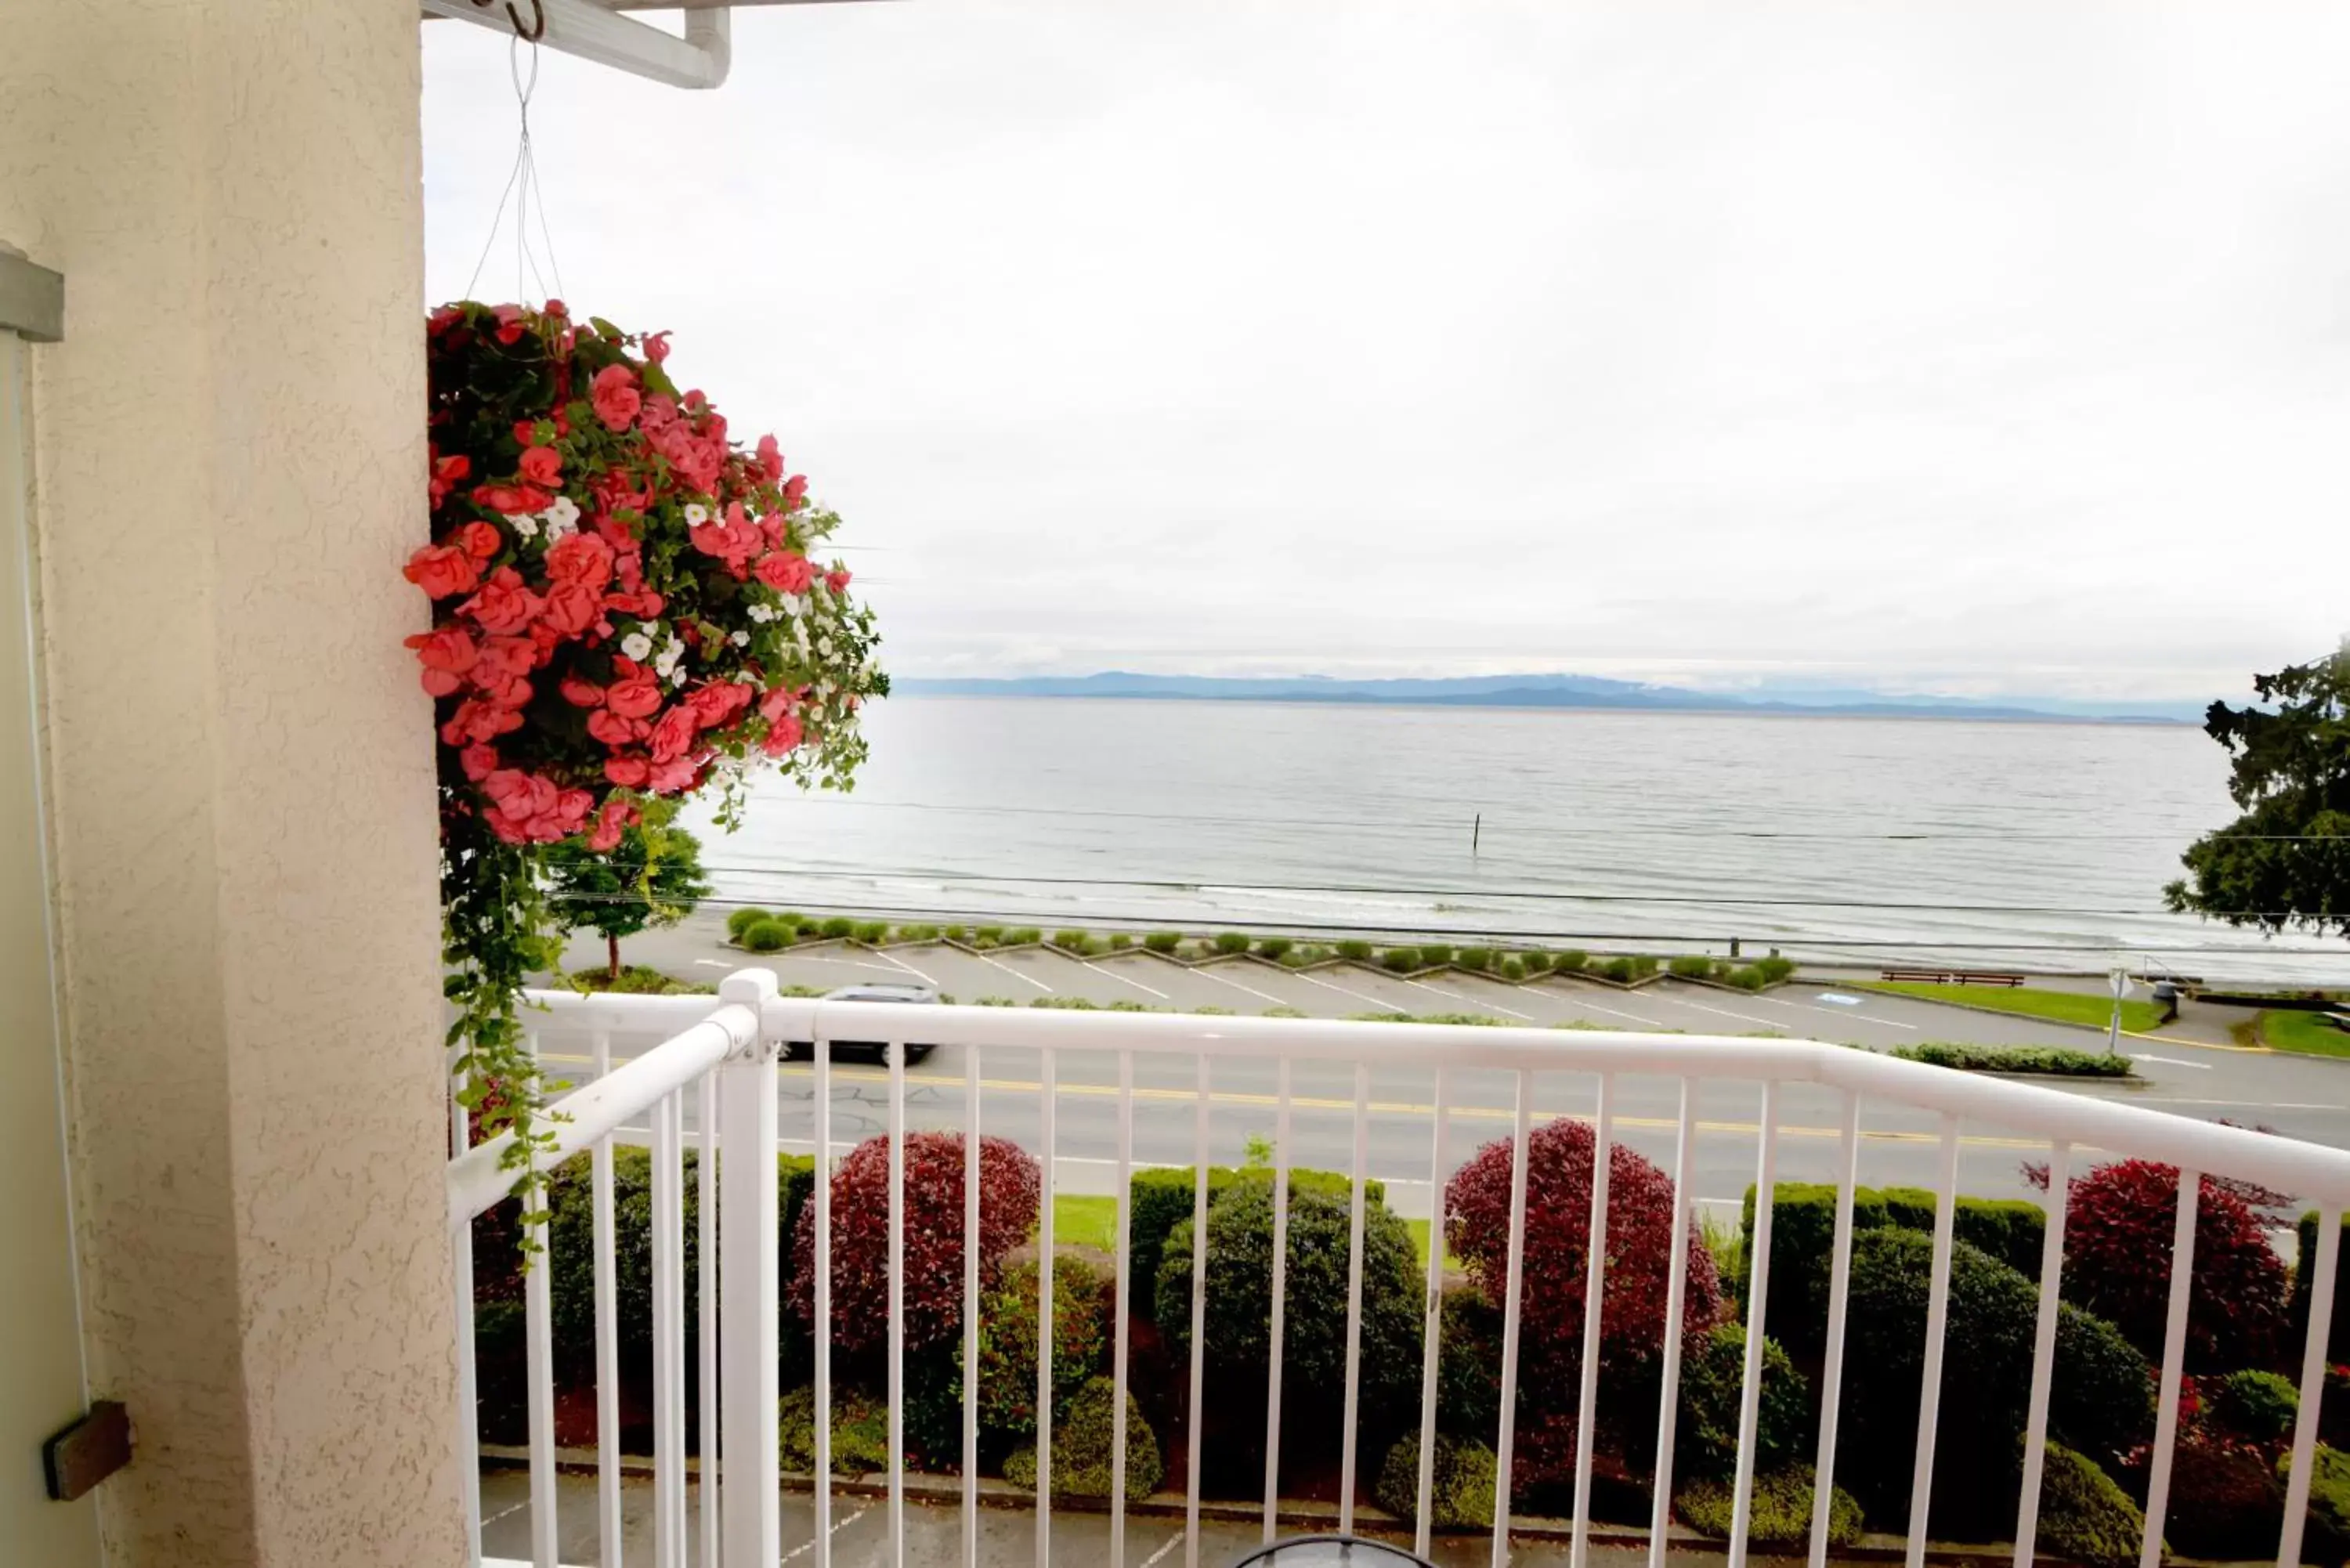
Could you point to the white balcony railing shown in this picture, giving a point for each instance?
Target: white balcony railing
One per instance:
(725, 1055)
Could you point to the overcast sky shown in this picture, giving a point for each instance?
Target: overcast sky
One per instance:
(1991, 350)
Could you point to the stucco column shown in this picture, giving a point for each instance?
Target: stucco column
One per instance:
(229, 451)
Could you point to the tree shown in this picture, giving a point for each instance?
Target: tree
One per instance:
(652, 877)
(2286, 861)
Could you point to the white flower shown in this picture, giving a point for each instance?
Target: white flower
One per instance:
(564, 511)
(677, 677)
(824, 647)
(637, 646)
(525, 524)
(739, 639)
(795, 605)
(696, 513)
(760, 613)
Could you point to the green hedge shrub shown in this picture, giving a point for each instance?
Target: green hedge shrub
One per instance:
(571, 1256)
(1514, 968)
(1713, 1375)
(1273, 948)
(1354, 951)
(1692, 966)
(1232, 942)
(954, 933)
(1161, 1199)
(2337, 1330)
(837, 927)
(1618, 970)
(1476, 960)
(742, 919)
(2054, 1061)
(860, 1431)
(2260, 1406)
(1802, 1242)
(1433, 954)
(1573, 961)
(1083, 1444)
(988, 934)
(1461, 1488)
(2102, 1401)
(1775, 969)
(2083, 1515)
(2327, 1536)
(1746, 978)
(1084, 1316)
(1120, 940)
(1314, 1346)
(1779, 1512)
(1163, 941)
(1077, 942)
(918, 933)
(1468, 1365)
(767, 935)
(1023, 937)
(1403, 961)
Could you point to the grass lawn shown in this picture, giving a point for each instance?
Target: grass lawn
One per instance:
(2057, 1006)
(1082, 1219)
(2290, 1028)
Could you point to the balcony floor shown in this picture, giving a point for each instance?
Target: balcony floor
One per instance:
(933, 1534)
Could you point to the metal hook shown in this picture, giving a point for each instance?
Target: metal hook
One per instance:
(537, 28)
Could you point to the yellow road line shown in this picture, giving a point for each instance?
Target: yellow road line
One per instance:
(1403, 1108)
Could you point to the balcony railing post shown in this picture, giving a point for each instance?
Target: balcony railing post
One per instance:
(749, 1304)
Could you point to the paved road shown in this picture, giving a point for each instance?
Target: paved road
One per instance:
(860, 1534)
(2302, 1097)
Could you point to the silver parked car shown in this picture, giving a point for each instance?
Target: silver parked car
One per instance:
(885, 991)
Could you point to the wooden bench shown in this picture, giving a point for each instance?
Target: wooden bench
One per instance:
(1954, 976)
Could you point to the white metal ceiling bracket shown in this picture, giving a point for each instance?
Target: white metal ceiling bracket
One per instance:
(582, 27)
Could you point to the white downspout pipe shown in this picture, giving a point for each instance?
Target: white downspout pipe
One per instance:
(700, 59)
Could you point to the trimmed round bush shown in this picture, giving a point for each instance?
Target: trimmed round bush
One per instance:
(1273, 948)
(1163, 941)
(1469, 1363)
(1403, 961)
(860, 1432)
(2083, 1515)
(1692, 966)
(872, 933)
(1461, 1488)
(1775, 969)
(1713, 1378)
(1434, 953)
(1640, 1208)
(742, 919)
(837, 927)
(1475, 960)
(2259, 1406)
(1573, 961)
(1083, 1444)
(1120, 942)
(954, 933)
(1314, 1344)
(1747, 979)
(1354, 951)
(2118, 1224)
(1084, 1313)
(1009, 1183)
(1232, 942)
(1514, 968)
(1023, 937)
(1078, 942)
(2327, 1539)
(2101, 1401)
(1780, 1511)
(1618, 970)
(767, 935)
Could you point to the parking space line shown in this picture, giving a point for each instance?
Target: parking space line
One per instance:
(1470, 999)
(1721, 1012)
(1020, 973)
(1236, 986)
(1358, 995)
(1843, 1014)
(1159, 1556)
(1576, 1000)
(810, 1543)
(1124, 980)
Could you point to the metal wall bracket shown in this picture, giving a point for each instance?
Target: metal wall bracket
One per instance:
(89, 1451)
(32, 299)
(702, 59)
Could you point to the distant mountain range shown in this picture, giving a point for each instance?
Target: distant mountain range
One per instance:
(1555, 691)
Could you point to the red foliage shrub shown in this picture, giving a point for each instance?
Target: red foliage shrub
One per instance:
(2117, 1232)
(1640, 1202)
(1008, 1187)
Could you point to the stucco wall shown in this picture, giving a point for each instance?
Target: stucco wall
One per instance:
(230, 444)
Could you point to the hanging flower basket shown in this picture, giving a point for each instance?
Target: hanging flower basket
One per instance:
(624, 605)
